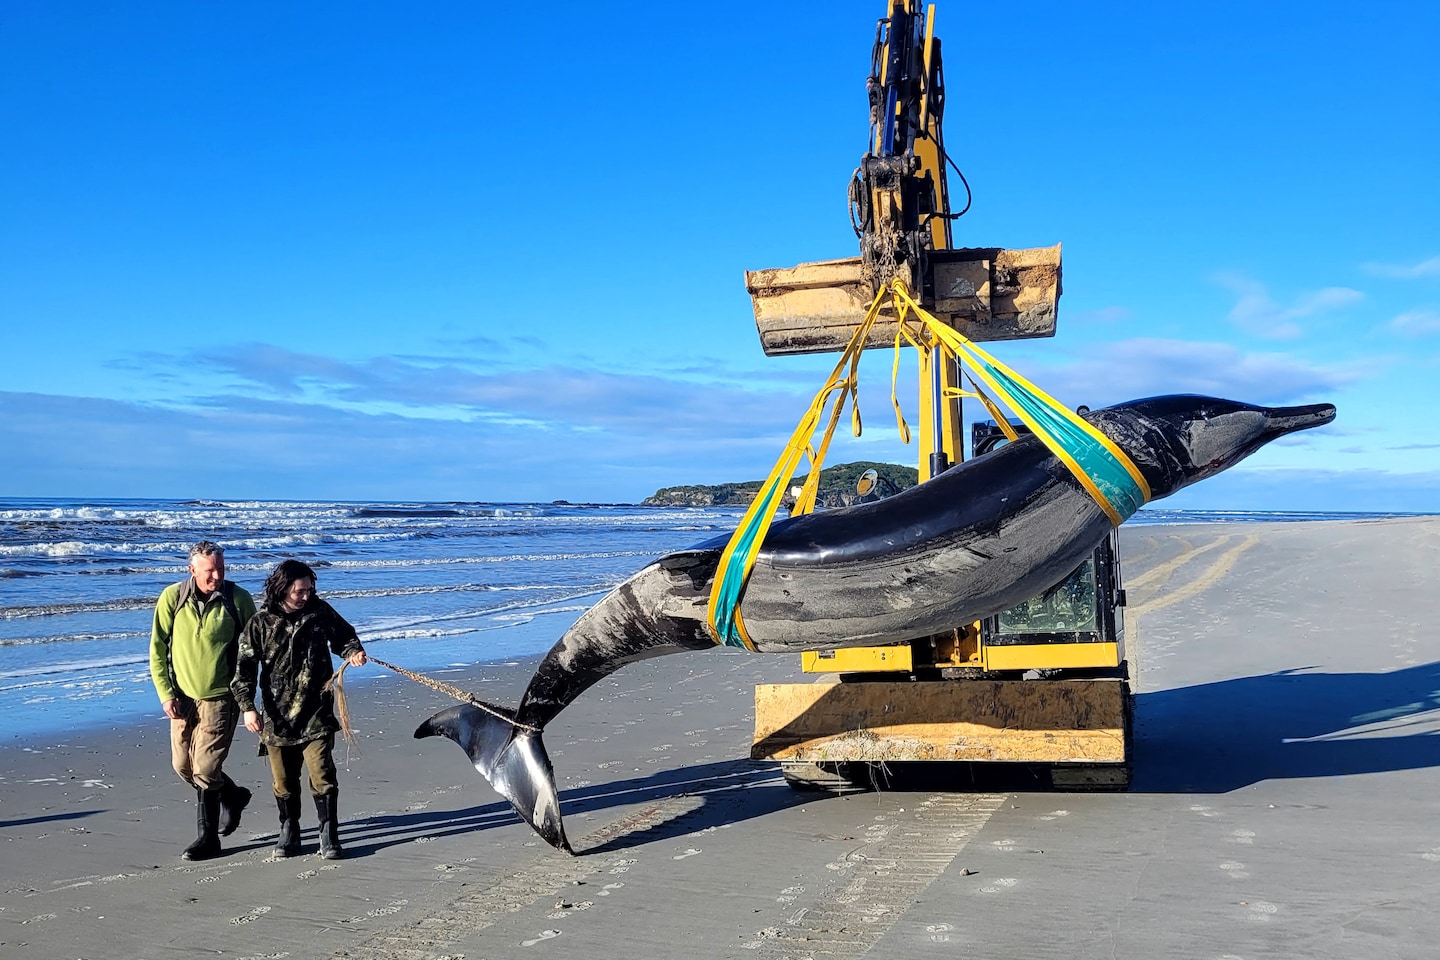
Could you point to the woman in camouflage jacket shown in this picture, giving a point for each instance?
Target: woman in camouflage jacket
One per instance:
(288, 643)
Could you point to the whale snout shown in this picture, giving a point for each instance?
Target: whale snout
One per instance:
(1200, 436)
(1282, 420)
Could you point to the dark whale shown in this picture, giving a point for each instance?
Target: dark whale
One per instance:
(965, 545)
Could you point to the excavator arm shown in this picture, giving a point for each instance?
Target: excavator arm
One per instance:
(972, 705)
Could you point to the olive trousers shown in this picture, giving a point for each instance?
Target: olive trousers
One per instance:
(318, 758)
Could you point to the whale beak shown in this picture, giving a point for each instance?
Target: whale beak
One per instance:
(1282, 420)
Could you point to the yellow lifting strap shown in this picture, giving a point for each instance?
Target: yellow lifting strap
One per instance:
(1101, 467)
(995, 412)
(736, 562)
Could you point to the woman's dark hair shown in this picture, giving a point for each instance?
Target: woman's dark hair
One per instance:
(277, 585)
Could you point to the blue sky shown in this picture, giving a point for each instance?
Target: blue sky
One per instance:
(462, 251)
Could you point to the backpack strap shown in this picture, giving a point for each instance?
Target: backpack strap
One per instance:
(182, 597)
(227, 599)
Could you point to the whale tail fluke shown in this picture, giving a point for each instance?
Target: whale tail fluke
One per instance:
(511, 758)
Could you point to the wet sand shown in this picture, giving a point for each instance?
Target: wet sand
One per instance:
(1283, 805)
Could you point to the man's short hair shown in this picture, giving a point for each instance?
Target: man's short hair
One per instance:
(207, 548)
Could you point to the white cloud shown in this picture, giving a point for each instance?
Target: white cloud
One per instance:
(553, 397)
(544, 435)
(1147, 366)
(1259, 313)
(1417, 322)
(300, 425)
(245, 447)
(1402, 271)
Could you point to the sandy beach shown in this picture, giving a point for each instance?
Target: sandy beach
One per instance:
(1283, 805)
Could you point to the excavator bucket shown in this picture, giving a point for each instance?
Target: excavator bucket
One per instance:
(986, 293)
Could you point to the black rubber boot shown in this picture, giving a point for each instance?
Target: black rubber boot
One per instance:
(233, 799)
(329, 828)
(207, 825)
(287, 844)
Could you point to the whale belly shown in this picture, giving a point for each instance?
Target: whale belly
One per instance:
(951, 578)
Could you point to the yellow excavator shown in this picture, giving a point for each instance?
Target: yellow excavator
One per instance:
(1044, 684)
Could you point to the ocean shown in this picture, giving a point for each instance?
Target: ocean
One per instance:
(429, 586)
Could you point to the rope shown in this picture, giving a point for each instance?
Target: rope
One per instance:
(342, 710)
(463, 696)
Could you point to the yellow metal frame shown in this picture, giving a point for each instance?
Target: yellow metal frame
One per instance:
(1043, 656)
(951, 438)
(927, 149)
(862, 659)
(898, 657)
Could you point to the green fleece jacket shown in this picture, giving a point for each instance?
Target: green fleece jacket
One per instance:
(193, 648)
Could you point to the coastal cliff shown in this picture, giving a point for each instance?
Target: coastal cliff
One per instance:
(837, 488)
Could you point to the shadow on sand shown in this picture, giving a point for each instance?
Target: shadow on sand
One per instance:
(1207, 738)
(51, 818)
(1217, 737)
(725, 792)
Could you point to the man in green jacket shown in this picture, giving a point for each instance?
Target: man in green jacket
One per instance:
(193, 646)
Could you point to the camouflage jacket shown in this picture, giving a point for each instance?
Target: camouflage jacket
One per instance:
(291, 655)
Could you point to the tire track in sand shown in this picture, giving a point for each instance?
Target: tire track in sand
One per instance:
(1207, 578)
(1159, 600)
(449, 924)
(878, 882)
(1158, 574)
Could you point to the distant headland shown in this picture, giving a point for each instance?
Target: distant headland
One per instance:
(837, 488)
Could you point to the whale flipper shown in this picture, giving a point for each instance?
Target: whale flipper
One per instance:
(512, 758)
